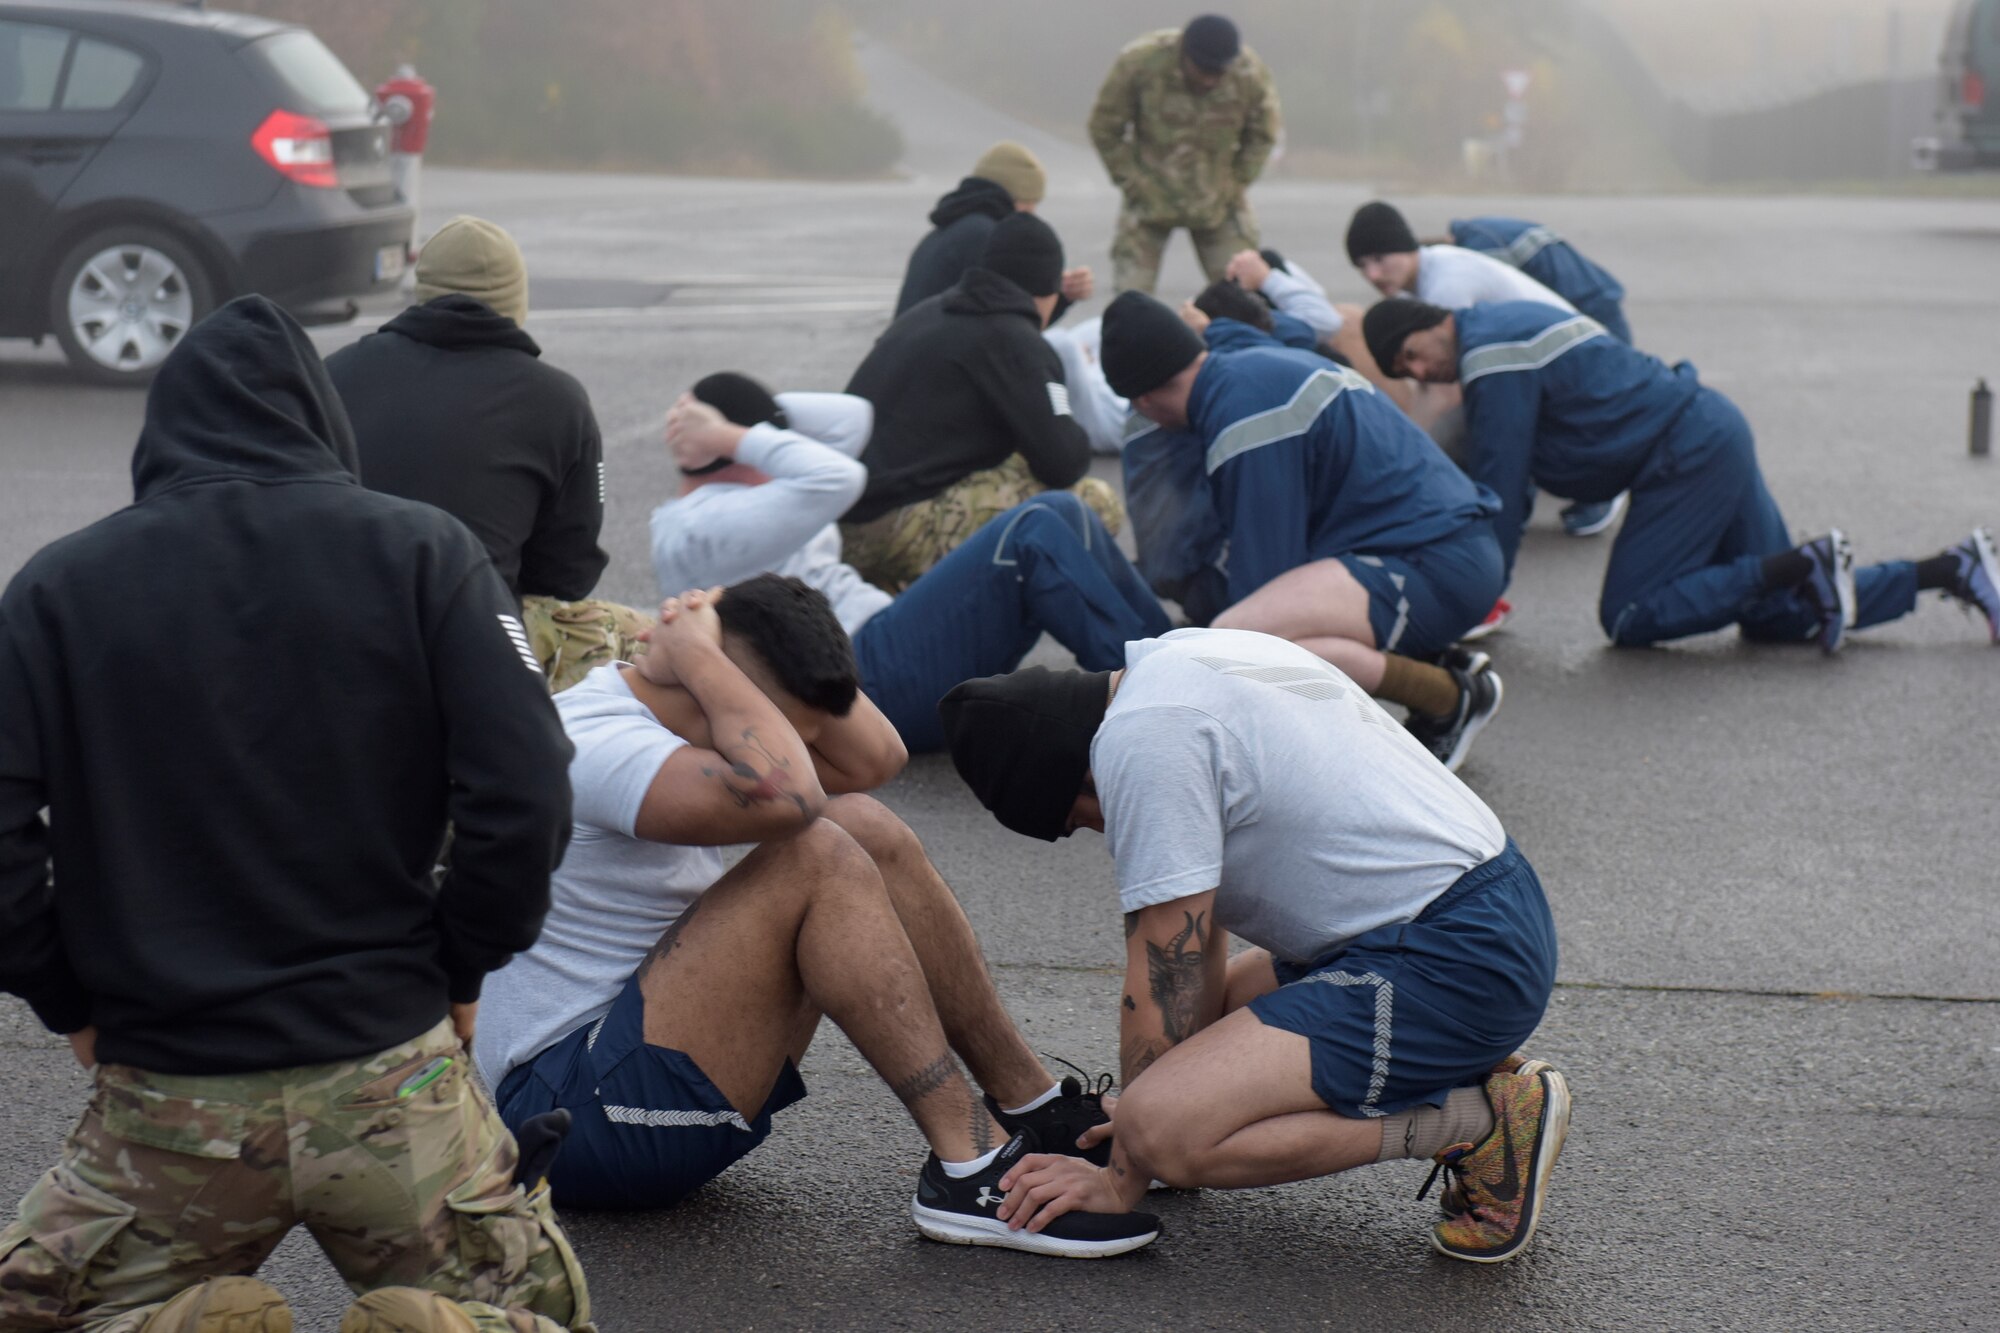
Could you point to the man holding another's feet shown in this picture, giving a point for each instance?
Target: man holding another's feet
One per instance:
(669, 1001)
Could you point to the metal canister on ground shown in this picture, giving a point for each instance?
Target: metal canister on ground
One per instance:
(1980, 443)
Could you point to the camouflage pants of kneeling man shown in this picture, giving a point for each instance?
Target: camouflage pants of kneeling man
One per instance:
(896, 549)
(170, 1181)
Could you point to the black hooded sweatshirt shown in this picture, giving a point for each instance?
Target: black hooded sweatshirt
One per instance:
(249, 702)
(959, 384)
(452, 405)
(960, 224)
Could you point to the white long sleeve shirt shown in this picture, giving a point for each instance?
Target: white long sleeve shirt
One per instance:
(1455, 278)
(1297, 293)
(725, 532)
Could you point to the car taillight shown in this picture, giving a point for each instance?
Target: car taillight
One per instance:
(298, 147)
(1972, 90)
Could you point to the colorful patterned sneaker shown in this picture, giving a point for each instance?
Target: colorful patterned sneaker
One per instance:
(1588, 519)
(1449, 736)
(1057, 1123)
(966, 1212)
(1978, 584)
(1451, 1199)
(223, 1305)
(1831, 586)
(1494, 620)
(1504, 1180)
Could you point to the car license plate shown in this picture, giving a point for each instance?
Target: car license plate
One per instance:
(389, 262)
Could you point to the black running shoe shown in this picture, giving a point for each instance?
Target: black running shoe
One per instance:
(1057, 1123)
(1449, 736)
(966, 1212)
(1830, 587)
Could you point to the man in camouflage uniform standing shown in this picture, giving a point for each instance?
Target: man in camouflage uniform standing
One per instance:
(1184, 122)
(249, 703)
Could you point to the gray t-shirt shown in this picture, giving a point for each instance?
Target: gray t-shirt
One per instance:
(1243, 763)
(614, 894)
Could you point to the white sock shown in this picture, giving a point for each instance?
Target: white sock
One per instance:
(960, 1170)
(1055, 1091)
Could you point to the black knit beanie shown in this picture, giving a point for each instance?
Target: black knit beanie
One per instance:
(1026, 251)
(1378, 229)
(1211, 42)
(742, 401)
(1389, 323)
(1022, 742)
(1144, 345)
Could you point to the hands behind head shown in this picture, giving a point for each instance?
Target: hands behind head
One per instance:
(697, 434)
(1194, 316)
(1078, 284)
(688, 623)
(1247, 269)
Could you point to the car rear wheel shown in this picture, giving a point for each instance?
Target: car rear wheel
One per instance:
(123, 298)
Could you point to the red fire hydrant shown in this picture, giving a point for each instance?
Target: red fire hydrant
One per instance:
(408, 102)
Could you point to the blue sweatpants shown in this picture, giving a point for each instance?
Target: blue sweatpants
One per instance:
(1691, 554)
(1046, 564)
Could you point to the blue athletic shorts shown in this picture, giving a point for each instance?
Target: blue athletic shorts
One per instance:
(649, 1128)
(1420, 602)
(1401, 1015)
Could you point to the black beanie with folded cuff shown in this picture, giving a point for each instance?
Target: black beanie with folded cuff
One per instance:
(1027, 252)
(1144, 344)
(1378, 229)
(1022, 742)
(1388, 324)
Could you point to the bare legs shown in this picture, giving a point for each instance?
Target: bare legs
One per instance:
(1321, 607)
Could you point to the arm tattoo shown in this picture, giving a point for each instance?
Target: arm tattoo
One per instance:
(914, 1087)
(1176, 977)
(747, 786)
(1135, 1056)
(1131, 924)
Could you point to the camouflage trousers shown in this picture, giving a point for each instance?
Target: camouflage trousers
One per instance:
(900, 547)
(1136, 247)
(572, 639)
(169, 1180)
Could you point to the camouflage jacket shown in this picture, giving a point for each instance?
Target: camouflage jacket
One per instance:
(1180, 158)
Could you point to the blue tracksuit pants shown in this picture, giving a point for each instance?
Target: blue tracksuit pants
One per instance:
(1047, 564)
(1178, 533)
(1690, 556)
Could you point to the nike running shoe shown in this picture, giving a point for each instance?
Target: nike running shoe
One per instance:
(1449, 736)
(1451, 1199)
(1831, 586)
(1057, 1123)
(966, 1212)
(1504, 1181)
(1471, 661)
(1588, 519)
(1978, 583)
(1494, 620)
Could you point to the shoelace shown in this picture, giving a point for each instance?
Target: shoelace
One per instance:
(1454, 1179)
(1088, 1085)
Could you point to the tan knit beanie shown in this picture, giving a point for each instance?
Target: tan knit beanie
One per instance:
(1012, 167)
(473, 257)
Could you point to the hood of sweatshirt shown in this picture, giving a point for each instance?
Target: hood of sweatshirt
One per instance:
(975, 195)
(983, 292)
(243, 396)
(457, 320)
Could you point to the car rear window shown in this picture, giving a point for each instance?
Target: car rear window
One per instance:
(100, 76)
(312, 73)
(31, 58)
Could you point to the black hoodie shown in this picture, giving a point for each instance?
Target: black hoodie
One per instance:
(959, 384)
(452, 405)
(960, 224)
(249, 702)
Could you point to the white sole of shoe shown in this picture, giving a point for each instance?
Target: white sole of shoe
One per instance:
(1555, 1132)
(958, 1229)
(1843, 577)
(1989, 560)
(1477, 725)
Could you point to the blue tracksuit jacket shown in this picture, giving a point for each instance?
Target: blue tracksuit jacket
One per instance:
(1306, 462)
(1550, 260)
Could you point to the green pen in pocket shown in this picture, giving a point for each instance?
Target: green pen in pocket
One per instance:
(424, 1077)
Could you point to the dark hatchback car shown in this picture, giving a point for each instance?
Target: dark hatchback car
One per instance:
(1968, 92)
(157, 160)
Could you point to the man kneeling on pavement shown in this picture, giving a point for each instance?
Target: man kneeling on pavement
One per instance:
(1404, 947)
(668, 1001)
